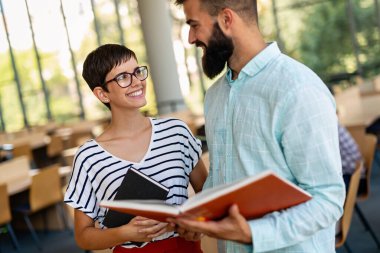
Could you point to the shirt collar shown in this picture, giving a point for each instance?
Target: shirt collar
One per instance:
(257, 63)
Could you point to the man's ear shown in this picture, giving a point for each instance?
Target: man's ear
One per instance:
(225, 19)
(101, 94)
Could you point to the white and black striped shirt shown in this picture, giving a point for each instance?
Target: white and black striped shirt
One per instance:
(97, 174)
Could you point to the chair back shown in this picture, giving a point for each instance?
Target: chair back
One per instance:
(77, 139)
(14, 171)
(367, 147)
(357, 132)
(55, 146)
(5, 211)
(345, 221)
(45, 189)
(23, 149)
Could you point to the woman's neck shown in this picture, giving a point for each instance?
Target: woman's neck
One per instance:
(126, 124)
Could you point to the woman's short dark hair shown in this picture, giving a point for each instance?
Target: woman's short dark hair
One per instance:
(102, 60)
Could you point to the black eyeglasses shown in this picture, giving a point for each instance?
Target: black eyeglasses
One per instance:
(125, 79)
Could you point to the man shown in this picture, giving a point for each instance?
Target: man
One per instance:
(267, 112)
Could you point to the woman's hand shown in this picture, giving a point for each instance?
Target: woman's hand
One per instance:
(141, 229)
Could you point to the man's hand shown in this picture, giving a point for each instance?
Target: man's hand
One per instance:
(234, 227)
(189, 235)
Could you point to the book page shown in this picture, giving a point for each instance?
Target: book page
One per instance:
(213, 193)
(136, 206)
(210, 194)
(204, 193)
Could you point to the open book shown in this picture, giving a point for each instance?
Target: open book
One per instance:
(255, 197)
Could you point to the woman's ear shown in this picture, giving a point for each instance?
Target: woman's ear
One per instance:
(101, 94)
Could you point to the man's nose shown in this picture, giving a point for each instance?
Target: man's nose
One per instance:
(192, 38)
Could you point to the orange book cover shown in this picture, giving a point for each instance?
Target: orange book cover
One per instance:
(255, 197)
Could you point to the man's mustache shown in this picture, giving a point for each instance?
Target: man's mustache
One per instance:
(199, 43)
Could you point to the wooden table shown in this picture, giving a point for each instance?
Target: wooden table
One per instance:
(75, 134)
(18, 176)
(17, 191)
(355, 109)
(34, 139)
(22, 185)
(33, 144)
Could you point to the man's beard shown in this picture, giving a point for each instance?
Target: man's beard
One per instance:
(216, 54)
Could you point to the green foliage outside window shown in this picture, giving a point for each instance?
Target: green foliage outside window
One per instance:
(317, 35)
(326, 44)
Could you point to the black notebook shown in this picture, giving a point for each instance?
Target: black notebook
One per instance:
(135, 185)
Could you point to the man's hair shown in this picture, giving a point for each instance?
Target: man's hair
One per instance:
(101, 61)
(247, 9)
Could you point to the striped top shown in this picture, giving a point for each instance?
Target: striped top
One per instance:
(173, 152)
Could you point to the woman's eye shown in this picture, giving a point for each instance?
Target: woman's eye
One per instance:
(122, 77)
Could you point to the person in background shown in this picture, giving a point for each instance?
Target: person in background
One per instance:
(267, 112)
(349, 152)
(163, 149)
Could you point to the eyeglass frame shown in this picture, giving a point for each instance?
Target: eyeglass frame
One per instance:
(131, 74)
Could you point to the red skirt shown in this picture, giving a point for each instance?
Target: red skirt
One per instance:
(171, 245)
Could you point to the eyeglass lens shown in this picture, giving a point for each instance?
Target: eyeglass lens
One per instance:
(125, 79)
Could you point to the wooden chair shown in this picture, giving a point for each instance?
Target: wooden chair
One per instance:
(45, 191)
(24, 149)
(15, 173)
(6, 216)
(367, 146)
(55, 149)
(55, 146)
(68, 156)
(358, 133)
(77, 139)
(345, 222)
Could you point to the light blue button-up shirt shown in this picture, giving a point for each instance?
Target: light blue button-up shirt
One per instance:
(278, 115)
